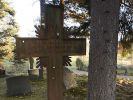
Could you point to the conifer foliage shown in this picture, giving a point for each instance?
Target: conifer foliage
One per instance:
(8, 29)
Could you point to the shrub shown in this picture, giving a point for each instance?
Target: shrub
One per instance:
(80, 65)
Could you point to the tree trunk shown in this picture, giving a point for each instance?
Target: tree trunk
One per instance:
(103, 49)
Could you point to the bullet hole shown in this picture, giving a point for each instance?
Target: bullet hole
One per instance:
(106, 12)
(104, 31)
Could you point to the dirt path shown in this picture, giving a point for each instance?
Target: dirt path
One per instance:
(78, 72)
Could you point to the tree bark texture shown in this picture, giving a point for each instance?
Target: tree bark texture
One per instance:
(103, 49)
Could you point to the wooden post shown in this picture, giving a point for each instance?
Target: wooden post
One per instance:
(55, 78)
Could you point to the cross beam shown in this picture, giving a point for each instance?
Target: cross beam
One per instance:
(46, 47)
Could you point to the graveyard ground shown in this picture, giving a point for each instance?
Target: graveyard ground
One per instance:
(124, 90)
(39, 92)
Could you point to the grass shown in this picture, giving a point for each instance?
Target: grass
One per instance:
(130, 71)
(120, 71)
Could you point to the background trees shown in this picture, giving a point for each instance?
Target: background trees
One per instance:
(8, 29)
(79, 11)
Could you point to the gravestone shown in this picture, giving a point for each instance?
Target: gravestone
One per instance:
(54, 46)
(18, 85)
(31, 62)
(34, 73)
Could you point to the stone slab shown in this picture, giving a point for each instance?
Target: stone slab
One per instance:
(18, 85)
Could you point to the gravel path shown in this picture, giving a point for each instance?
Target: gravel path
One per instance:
(78, 72)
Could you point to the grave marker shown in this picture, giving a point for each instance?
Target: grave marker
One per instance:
(53, 46)
(18, 85)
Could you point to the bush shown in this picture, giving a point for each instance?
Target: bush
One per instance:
(80, 65)
(82, 81)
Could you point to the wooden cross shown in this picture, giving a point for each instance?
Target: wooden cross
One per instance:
(53, 46)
